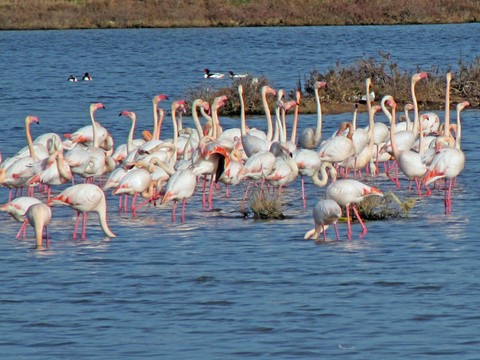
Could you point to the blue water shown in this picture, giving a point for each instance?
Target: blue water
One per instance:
(221, 286)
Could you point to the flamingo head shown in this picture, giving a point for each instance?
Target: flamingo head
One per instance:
(320, 84)
(32, 118)
(462, 105)
(267, 90)
(160, 97)
(96, 106)
(392, 103)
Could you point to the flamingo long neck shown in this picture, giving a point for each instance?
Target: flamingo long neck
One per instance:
(415, 106)
(393, 141)
(31, 149)
(102, 217)
(385, 110)
(323, 179)
(155, 118)
(243, 120)
(63, 167)
(94, 131)
(407, 118)
(266, 89)
(318, 129)
(160, 118)
(447, 106)
(196, 119)
(458, 133)
(293, 137)
(278, 125)
(371, 115)
(133, 117)
(175, 128)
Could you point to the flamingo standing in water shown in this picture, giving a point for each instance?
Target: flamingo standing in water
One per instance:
(84, 198)
(180, 186)
(17, 209)
(325, 213)
(39, 216)
(310, 138)
(348, 192)
(448, 163)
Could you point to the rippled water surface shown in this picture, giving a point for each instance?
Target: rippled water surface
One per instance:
(221, 286)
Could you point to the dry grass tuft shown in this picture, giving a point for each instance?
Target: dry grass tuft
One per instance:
(266, 204)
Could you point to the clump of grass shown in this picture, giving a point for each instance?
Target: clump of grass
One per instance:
(386, 207)
(266, 204)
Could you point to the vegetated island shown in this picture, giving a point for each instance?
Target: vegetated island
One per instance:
(120, 14)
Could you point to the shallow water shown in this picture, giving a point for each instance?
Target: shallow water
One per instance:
(221, 285)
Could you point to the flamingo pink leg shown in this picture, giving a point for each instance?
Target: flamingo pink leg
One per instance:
(349, 225)
(364, 232)
(174, 210)
(336, 231)
(23, 229)
(303, 193)
(76, 226)
(183, 210)
(84, 226)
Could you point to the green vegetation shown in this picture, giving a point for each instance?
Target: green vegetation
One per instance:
(88, 14)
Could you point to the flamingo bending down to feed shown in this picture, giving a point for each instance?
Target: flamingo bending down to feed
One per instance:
(348, 192)
(325, 213)
(39, 216)
(17, 209)
(84, 198)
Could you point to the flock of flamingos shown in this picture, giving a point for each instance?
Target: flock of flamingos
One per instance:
(150, 169)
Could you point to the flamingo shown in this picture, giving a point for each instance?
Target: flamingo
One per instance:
(323, 179)
(251, 144)
(17, 209)
(307, 162)
(39, 216)
(409, 162)
(310, 138)
(86, 134)
(448, 163)
(19, 169)
(84, 198)
(325, 213)
(338, 148)
(348, 192)
(180, 186)
(136, 181)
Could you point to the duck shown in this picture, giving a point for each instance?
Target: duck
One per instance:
(87, 77)
(231, 74)
(72, 78)
(210, 75)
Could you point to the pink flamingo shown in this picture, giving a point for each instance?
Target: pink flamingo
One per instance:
(19, 169)
(409, 162)
(348, 192)
(180, 186)
(448, 163)
(39, 216)
(84, 198)
(17, 209)
(310, 138)
(325, 213)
